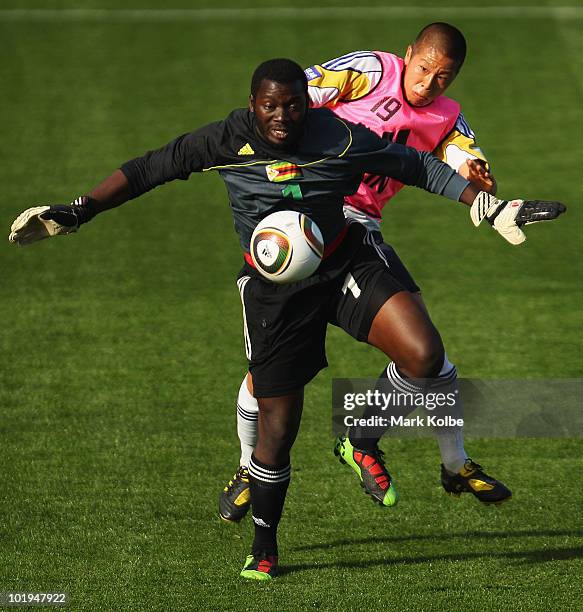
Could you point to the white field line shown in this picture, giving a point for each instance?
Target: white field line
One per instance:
(226, 14)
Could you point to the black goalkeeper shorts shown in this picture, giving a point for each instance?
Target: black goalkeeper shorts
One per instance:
(285, 325)
(396, 266)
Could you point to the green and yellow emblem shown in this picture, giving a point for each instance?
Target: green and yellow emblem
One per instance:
(282, 171)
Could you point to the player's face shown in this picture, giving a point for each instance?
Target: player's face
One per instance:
(280, 110)
(428, 73)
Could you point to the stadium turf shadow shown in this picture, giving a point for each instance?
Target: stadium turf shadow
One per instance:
(444, 536)
(521, 557)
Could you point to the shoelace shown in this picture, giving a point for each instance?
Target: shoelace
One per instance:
(471, 465)
(242, 472)
(476, 467)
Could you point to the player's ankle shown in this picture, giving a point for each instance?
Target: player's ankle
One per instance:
(368, 444)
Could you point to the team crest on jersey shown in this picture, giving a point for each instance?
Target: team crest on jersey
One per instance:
(312, 73)
(282, 171)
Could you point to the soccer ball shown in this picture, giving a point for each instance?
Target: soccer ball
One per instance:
(287, 246)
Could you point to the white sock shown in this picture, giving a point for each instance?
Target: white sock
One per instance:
(451, 439)
(247, 416)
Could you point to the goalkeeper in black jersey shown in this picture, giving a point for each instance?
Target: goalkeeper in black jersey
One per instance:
(285, 325)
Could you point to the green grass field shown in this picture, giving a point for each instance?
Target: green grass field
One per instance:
(122, 349)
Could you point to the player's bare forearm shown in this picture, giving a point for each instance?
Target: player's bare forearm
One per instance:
(111, 192)
(469, 194)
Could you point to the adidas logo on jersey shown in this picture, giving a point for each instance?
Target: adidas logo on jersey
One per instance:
(246, 150)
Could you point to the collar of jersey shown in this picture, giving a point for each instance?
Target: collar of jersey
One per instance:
(320, 122)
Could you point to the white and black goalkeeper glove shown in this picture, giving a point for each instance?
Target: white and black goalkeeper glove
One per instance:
(508, 216)
(42, 222)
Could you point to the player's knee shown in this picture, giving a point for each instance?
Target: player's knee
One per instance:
(424, 359)
(279, 422)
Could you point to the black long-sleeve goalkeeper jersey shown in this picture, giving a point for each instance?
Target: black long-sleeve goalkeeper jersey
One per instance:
(326, 165)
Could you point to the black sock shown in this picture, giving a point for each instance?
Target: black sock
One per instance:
(268, 484)
(367, 437)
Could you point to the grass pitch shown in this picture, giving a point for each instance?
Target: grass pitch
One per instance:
(122, 349)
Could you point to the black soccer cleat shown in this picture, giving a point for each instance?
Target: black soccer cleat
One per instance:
(235, 498)
(471, 479)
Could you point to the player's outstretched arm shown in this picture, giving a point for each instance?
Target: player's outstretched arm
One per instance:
(191, 152)
(42, 222)
(507, 217)
(424, 170)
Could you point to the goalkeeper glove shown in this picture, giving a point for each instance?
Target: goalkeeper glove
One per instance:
(42, 222)
(507, 217)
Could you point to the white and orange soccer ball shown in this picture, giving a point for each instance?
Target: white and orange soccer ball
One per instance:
(287, 246)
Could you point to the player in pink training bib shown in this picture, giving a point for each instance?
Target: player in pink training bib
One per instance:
(401, 100)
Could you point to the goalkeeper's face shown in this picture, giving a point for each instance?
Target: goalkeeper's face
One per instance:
(428, 73)
(280, 112)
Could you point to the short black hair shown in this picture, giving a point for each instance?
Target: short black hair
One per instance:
(445, 37)
(280, 70)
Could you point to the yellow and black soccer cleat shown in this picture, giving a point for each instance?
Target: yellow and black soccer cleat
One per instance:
(235, 498)
(471, 479)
